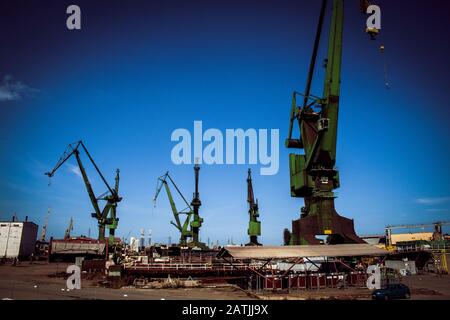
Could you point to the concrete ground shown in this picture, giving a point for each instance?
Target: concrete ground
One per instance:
(32, 282)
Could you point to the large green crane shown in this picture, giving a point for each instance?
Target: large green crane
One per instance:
(313, 174)
(190, 229)
(108, 216)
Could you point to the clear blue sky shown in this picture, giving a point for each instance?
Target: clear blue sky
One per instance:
(140, 69)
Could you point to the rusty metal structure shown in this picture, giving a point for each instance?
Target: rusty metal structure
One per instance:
(300, 267)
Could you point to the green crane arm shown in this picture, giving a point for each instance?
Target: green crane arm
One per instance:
(113, 192)
(253, 205)
(72, 149)
(173, 206)
(159, 185)
(295, 111)
(163, 182)
(318, 117)
(88, 185)
(321, 146)
(332, 84)
(66, 155)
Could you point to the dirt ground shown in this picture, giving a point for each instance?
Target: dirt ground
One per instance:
(32, 282)
(423, 287)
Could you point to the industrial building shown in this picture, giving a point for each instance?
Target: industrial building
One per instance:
(69, 249)
(17, 239)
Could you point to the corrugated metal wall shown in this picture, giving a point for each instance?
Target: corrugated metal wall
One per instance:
(17, 239)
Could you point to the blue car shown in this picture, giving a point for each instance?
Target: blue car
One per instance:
(392, 291)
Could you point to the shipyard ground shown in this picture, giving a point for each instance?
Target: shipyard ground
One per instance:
(25, 282)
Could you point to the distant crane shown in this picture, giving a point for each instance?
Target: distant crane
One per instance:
(125, 239)
(149, 237)
(69, 228)
(142, 240)
(44, 227)
(189, 229)
(108, 216)
(254, 226)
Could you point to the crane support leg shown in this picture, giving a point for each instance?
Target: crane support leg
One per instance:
(328, 223)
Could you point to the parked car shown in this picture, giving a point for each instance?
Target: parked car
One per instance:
(393, 291)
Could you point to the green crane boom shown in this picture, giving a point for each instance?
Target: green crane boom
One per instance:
(185, 233)
(313, 174)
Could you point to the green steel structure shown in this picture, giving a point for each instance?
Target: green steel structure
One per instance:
(111, 206)
(313, 174)
(190, 229)
(106, 218)
(254, 226)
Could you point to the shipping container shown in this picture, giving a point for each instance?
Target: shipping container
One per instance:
(70, 249)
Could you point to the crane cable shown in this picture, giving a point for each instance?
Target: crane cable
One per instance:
(374, 33)
(386, 78)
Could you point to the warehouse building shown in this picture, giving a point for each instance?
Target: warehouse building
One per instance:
(17, 239)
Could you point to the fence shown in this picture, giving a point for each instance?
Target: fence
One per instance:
(311, 281)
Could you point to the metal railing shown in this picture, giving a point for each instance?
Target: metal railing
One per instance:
(186, 266)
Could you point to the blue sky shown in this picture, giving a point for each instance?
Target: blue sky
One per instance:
(138, 71)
